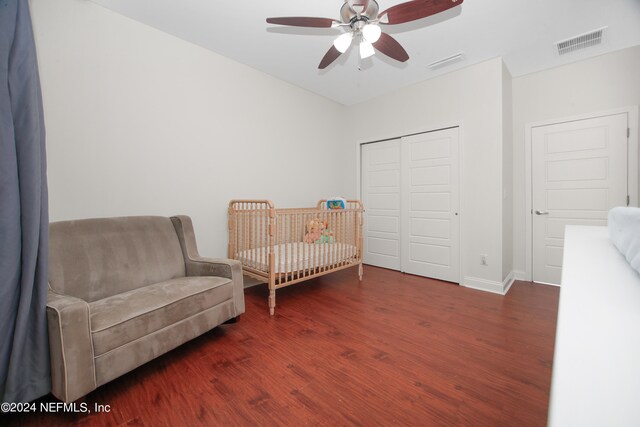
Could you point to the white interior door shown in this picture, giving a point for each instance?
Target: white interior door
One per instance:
(579, 172)
(381, 197)
(430, 205)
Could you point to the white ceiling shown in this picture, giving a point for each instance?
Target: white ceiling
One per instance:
(523, 32)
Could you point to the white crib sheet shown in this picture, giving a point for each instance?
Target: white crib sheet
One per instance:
(297, 256)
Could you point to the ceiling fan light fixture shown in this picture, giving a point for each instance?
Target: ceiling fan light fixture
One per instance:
(343, 42)
(366, 49)
(371, 32)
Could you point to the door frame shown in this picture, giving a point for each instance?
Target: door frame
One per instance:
(415, 131)
(632, 169)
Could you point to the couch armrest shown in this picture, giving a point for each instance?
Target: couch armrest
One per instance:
(196, 265)
(70, 347)
(224, 268)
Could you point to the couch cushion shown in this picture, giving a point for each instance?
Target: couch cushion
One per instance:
(94, 259)
(123, 318)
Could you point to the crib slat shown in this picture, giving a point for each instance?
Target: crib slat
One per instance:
(260, 239)
(327, 246)
(309, 248)
(352, 240)
(245, 229)
(345, 248)
(300, 234)
(230, 213)
(334, 248)
(243, 218)
(297, 235)
(279, 248)
(314, 258)
(318, 263)
(305, 247)
(290, 244)
(321, 249)
(249, 235)
(330, 245)
(340, 239)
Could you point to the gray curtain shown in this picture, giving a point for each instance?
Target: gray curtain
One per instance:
(24, 218)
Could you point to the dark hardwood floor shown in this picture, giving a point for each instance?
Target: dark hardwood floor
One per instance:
(392, 350)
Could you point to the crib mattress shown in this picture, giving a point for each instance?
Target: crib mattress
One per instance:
(297, 256)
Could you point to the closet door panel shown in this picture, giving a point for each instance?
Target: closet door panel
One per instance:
(381, 180)
(430, 203)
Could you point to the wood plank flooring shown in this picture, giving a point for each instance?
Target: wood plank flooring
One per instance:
(394, 349)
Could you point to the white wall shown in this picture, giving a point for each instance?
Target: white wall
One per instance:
(472, 98)
(595, 85)
(140, 122)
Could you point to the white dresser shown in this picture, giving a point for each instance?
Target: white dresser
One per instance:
(596, 366)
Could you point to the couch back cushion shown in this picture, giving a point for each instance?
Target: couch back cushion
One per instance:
(98, 258)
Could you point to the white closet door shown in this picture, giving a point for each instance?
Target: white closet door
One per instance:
(579, 173)
(381, 198)
(430, 205)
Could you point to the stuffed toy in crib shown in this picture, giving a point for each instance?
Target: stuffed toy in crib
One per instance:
(326, 235)
(317, 231)
(312, 231)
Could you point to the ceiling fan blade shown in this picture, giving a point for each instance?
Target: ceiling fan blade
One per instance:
(416, 9)
(331, 55)
(390, 47)
(302, 21)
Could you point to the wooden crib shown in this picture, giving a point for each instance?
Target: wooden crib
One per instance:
(270, 243)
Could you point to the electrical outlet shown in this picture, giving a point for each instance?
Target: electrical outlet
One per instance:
(483, 259)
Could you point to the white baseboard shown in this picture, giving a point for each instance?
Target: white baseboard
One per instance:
(508, 281)
(500, 288)
(520, 275)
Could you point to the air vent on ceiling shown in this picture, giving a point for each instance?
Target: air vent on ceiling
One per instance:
(446, 61)
(582, 41)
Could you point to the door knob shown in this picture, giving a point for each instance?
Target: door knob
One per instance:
(542, 212)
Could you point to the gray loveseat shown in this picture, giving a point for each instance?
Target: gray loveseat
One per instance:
(123, 291)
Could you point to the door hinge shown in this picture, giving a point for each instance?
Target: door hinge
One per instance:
(628, 200)
(628, 132)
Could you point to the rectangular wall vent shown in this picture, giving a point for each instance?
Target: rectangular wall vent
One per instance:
(582, 41)
(446, 61)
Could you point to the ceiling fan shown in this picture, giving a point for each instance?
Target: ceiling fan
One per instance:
(362, 21)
